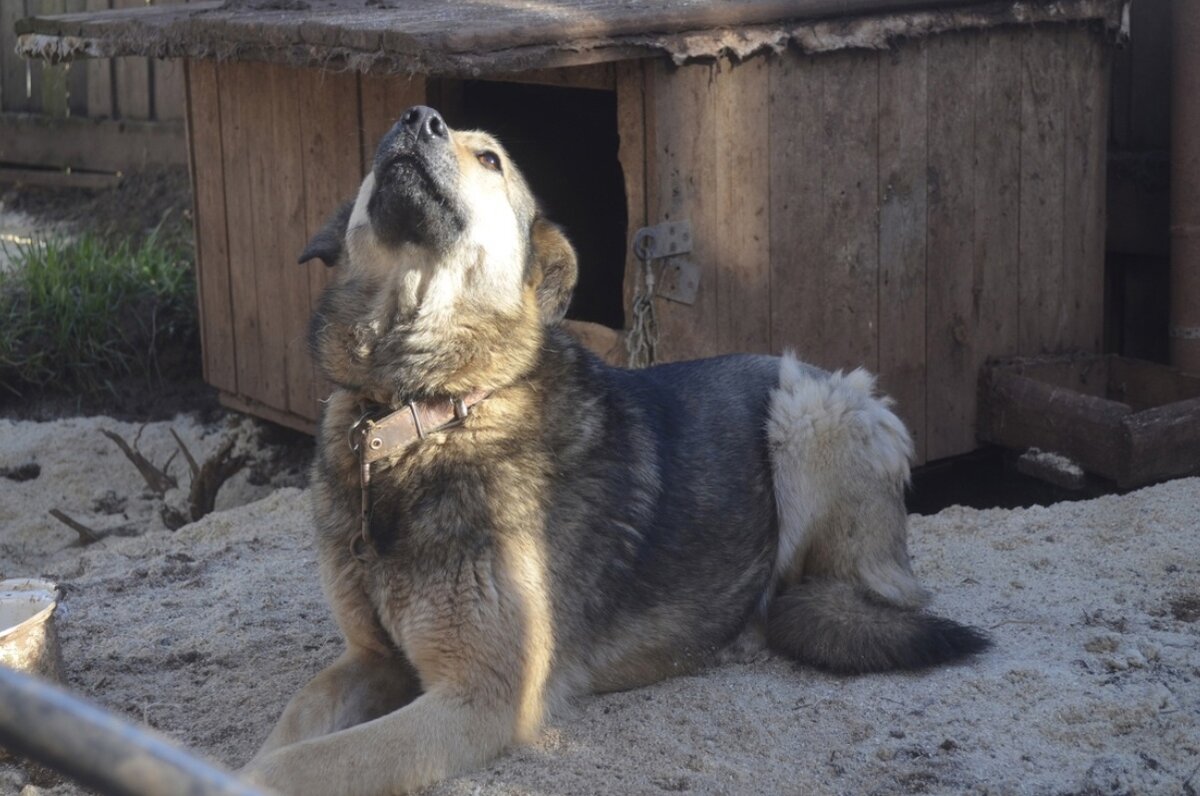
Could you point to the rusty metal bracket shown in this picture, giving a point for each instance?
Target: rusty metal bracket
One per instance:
(663, 240)
(677, 279)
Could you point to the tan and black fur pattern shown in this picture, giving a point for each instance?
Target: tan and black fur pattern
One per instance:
(587, 528)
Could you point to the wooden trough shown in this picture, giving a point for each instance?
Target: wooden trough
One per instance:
(909, 186)
(1127, 420)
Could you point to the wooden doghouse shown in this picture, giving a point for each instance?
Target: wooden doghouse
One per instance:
(909, 186)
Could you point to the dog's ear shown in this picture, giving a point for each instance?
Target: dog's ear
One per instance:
(555, 267)
(326, 245)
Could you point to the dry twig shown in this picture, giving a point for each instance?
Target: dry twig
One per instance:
(159, 481)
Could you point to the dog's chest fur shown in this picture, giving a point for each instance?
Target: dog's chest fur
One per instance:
(628, 513)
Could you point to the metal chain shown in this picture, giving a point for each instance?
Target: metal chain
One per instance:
(642, 340)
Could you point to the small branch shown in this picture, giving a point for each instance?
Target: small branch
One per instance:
(187, 454)
(158, 481)
(207, 481)
(86, 534)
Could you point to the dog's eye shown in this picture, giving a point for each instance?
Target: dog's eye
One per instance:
(489, 159)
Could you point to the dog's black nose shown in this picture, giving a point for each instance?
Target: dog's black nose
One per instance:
(424, 122)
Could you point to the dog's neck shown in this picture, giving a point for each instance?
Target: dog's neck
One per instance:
(369, 338)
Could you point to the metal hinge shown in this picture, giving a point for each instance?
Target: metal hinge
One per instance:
(678, 280)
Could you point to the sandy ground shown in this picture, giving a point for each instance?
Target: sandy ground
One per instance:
(1093, 687)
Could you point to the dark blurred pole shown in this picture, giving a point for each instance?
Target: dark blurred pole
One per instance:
(100, 750)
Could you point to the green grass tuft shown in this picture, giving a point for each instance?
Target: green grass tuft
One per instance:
(77, 314)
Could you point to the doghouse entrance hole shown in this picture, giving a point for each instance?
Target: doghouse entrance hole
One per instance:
(565, 142)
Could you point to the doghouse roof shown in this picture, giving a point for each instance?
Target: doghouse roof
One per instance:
(471, 37)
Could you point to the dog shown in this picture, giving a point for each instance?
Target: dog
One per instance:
(505, 522)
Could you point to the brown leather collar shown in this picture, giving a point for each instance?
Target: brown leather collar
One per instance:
(374, 439)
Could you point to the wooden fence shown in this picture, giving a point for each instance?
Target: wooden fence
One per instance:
(103, 114)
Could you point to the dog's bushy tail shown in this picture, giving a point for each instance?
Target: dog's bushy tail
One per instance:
(842, 627)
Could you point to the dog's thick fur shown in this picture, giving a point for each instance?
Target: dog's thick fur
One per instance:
(587, 528)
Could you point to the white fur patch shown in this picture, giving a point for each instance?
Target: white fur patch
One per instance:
(823, 429)
(485, 265)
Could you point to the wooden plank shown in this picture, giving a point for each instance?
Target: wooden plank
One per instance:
(100, 77)
(993, 304)
(384, 98)
(131, 78)
(241, 99)
(209, 220)
(33, 68)
(249, 406)
(797, 180)
(332, 170)
(279, 198)
(741, 239)
(602, 77)
(903, 163)
(96, 145)
(1022, 411)
(1044, 325)
(13, 95)
(52, 178)
(631, 133)
(950, 245)
(848, 280)
(131, 84)
(1084, 187)
(166, 81)
(50, 79)
(276, 202)
(77, 73)
(684, 118)
(1163, 442)
(455, 38)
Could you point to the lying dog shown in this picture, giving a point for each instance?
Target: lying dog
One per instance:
(504, 521)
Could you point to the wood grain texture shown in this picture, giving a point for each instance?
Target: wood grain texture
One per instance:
(903, 163)
(279, 188)
(993, 303)
(684, 118)
(1044, 321)
(741, 239)
(99, 77)
(435, 37)
(950, 356)
(209, 212)
(131, 78)
(631, 153)
(332, 169)
(77, 73)
(83, 143)
(849, 310)
(1085, 170)
(384, 98)
(259, 372)
(13, 96)
(798, 243)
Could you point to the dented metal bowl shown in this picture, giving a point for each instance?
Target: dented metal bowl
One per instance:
(28, 640)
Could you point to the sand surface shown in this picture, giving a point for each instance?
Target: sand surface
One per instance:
(1093, 687)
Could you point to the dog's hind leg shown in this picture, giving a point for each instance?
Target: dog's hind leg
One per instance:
(359, 686)
(848, 599)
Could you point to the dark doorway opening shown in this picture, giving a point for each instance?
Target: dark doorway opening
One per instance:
(565, 142)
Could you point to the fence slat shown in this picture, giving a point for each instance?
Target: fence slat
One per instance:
(12, 66)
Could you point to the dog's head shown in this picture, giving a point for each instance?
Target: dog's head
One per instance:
(453, 206)
(444, 262)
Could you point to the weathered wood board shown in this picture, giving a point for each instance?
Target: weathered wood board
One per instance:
(1130, 421)
(914, 211)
